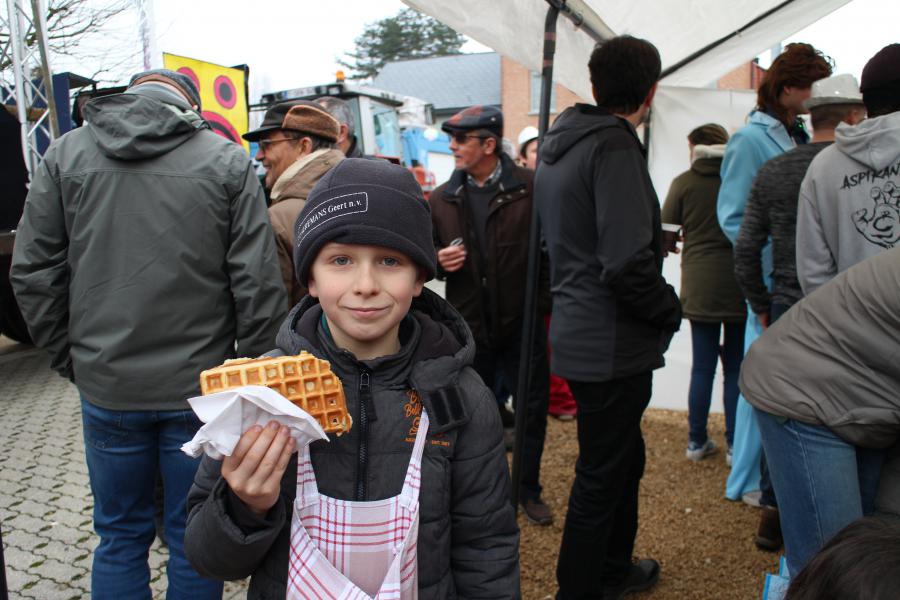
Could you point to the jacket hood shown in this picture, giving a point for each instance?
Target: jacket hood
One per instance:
(140, 124)
(708, 166)
(438, 345)
(574, 124)
(874, 142)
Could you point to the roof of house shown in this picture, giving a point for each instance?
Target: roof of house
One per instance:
(447, 82)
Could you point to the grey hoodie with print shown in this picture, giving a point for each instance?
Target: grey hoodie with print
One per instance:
(849, 205)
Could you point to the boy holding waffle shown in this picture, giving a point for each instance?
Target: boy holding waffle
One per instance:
(412, 502)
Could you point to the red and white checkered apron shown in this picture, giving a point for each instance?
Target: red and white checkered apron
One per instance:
(345, 550)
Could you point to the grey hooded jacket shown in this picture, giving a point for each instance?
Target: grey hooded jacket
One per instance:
(145, 253)
(468, 537)
(849, 200)
(832, 361)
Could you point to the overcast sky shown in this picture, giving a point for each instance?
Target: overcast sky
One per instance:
(290, 43)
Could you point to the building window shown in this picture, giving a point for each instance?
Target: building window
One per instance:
(536, 95)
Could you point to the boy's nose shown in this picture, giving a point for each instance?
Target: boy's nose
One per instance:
(366, 282)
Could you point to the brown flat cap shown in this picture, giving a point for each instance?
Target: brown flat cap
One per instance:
(313, 120)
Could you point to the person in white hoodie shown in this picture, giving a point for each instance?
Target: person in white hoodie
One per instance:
(850, 198)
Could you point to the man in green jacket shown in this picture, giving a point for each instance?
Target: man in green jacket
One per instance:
(144, 256)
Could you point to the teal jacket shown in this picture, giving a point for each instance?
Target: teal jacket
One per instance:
(145, 254)
(763, 137)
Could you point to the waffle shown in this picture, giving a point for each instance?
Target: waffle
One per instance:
(303, 379)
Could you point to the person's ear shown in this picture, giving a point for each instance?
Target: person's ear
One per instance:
(311, 286)
(344, 134)
(306, 145)
(651, 94)
(490, 145)
(420, 282)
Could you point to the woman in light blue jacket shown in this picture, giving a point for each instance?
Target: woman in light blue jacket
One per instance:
(772, 128)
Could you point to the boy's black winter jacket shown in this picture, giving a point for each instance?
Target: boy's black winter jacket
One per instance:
(468, 537)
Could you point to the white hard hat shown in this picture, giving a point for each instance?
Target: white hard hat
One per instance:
(527, 134)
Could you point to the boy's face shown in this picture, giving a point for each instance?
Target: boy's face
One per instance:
(365, 292)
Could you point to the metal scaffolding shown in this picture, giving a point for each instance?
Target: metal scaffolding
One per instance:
(29, 82)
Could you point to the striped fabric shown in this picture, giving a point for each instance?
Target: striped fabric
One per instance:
(345, 550)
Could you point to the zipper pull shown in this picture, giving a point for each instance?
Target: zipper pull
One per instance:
(365, 396)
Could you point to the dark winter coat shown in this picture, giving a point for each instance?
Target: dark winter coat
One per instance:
(490, 298)
(145, 253)
(613, 312)
(709, 291)
(468, 537)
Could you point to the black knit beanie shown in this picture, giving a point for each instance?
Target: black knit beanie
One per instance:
(366, 202)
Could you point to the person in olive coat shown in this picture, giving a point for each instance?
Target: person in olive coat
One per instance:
(710, 296)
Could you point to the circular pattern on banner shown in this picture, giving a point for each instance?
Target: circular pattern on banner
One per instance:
(190, 73)
(225, 92)
(222, 126)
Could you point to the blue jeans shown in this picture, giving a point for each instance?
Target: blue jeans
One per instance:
(124, 451)
(705, 345)
(823, 483)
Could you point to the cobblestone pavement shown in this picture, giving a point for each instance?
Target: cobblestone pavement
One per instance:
(45, 498)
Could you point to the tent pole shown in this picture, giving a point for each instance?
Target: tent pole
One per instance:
(530, 317)
(737, 32)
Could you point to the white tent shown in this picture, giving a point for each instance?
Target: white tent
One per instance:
(700, 39)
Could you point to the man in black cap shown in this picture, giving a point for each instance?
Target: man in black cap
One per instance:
(849, 207)
(481, 220)
(297, 147)
(143, 257)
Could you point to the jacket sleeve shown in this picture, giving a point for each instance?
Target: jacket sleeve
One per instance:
(223, 539)
(40, 270)
(752, 237)
(485, 536)
(742, 160)
(260, 299)
(815, 263)
(672, 210)
(625, 237)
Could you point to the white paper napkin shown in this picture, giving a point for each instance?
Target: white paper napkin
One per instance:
(230, 413)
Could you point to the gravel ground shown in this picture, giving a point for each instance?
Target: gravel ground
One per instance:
(703, 541)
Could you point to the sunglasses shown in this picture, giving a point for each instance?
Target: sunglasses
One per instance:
(264, 144)
(462, 138)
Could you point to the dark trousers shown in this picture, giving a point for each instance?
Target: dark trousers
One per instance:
(504, 361)
(706, 353)
(598, 538)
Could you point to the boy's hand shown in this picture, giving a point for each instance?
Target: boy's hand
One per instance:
(452, 258)
(254, 470)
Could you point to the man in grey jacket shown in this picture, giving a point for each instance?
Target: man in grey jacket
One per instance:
(850, 198)
(144, 256)
(613, 312)
(823, 383)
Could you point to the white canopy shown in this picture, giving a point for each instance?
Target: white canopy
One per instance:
(679, 28)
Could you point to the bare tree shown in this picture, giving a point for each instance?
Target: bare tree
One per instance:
(78, 29)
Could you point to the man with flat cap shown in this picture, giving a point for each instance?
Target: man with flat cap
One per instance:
(481, 219)
(296, 147)
(144, 256)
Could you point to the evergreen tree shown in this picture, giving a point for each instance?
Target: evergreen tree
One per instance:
(409, 34)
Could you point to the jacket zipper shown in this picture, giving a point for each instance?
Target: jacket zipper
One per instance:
(362, 456)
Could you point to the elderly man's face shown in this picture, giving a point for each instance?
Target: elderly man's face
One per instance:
(278, 150)
(470, 148)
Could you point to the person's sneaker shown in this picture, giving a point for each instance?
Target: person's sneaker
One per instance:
(565, 417)
(537, 512)
(729, 456)
(643, 575)
(752, 498)
(768, 535)
(697, 452)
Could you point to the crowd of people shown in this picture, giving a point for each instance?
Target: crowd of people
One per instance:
(148, 251)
